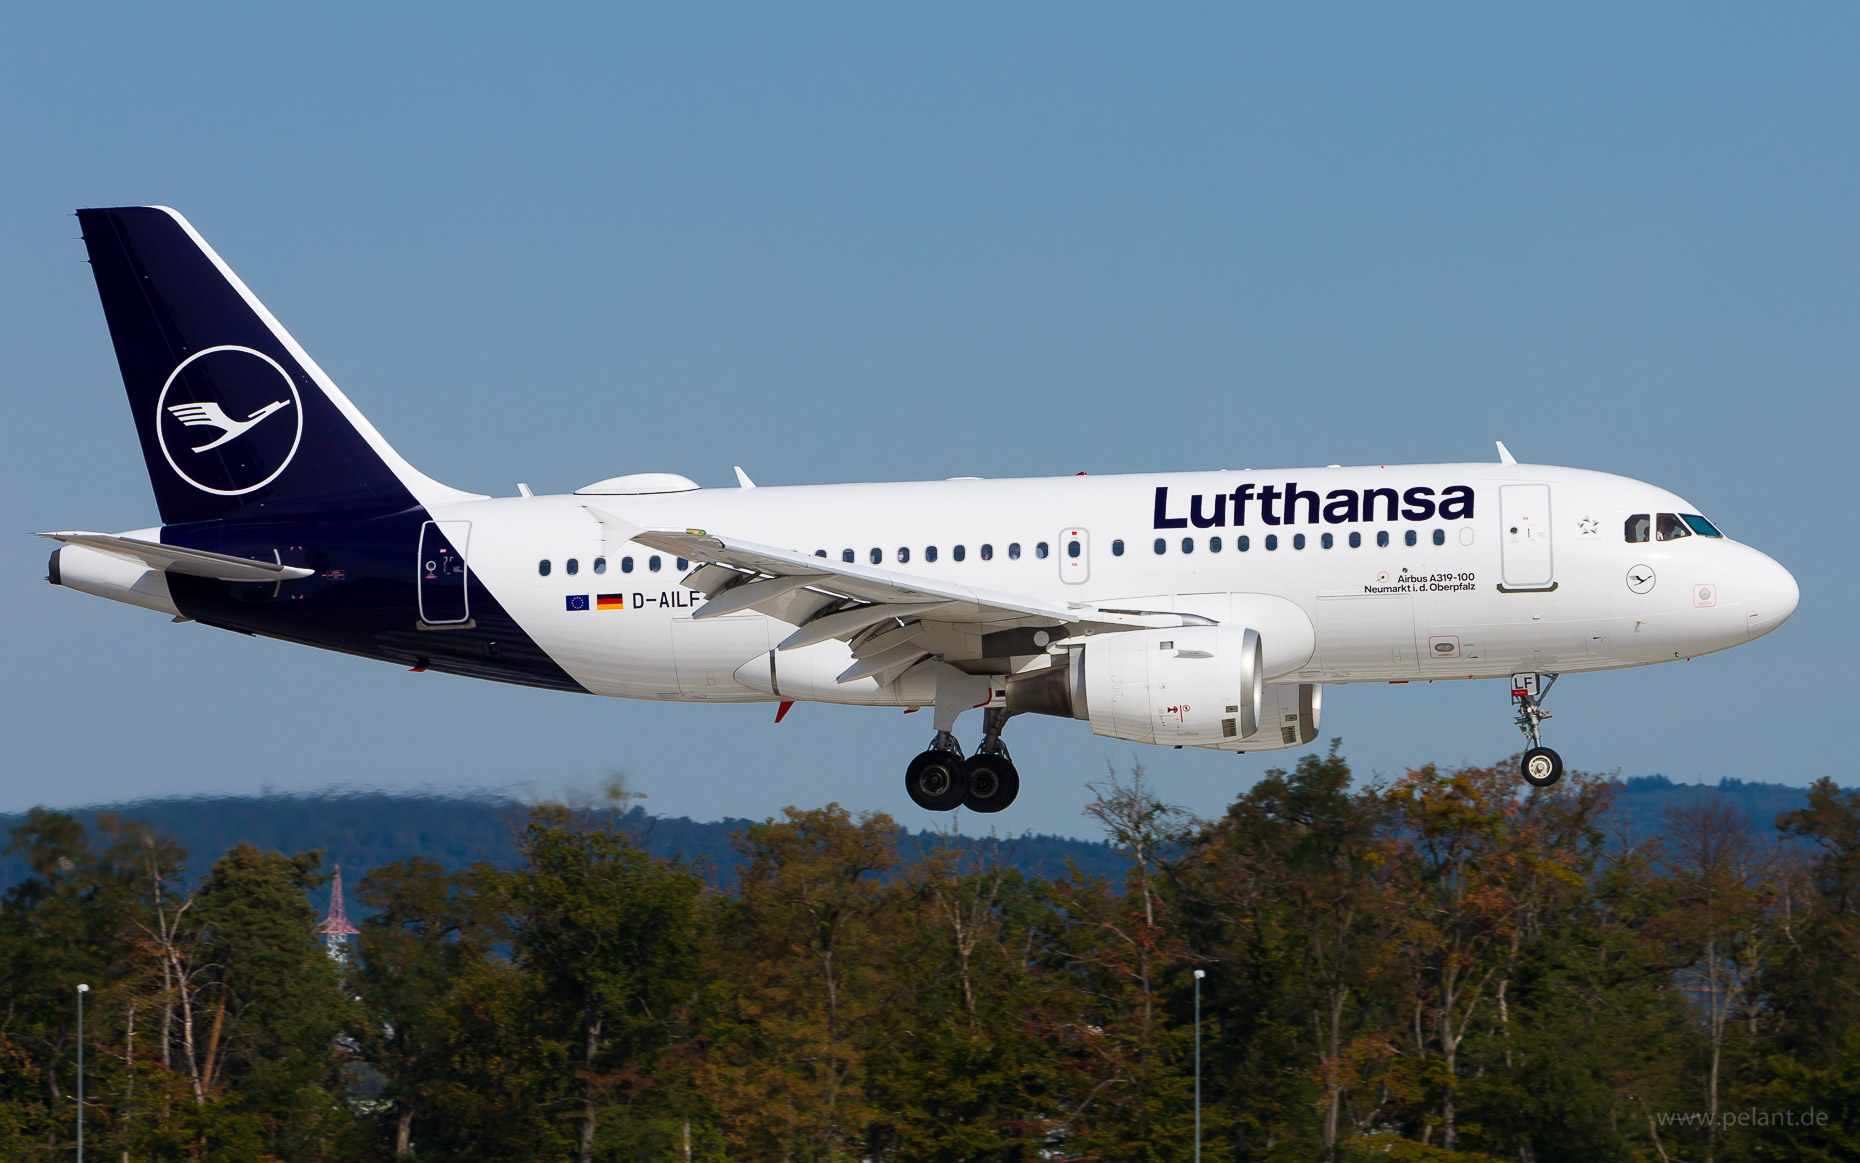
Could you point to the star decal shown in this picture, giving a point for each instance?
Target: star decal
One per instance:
(1589, 526)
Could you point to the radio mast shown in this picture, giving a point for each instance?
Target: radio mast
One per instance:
(336, 928)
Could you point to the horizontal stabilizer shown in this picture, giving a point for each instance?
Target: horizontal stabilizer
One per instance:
(175, 559)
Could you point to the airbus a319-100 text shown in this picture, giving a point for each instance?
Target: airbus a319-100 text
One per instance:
(1197, 609)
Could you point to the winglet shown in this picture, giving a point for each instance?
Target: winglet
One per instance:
(1504, 454)
(742, 478)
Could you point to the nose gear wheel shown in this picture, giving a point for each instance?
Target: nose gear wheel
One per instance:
(1540, 766)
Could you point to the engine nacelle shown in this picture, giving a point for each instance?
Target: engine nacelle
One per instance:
(1192, 686)
(1288, 718)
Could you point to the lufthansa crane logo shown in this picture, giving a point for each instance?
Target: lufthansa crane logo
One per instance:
(229, 420)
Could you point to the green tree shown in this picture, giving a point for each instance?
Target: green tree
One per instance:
(430, 929)
(801, 958)
(609, 931)
(271, 1043)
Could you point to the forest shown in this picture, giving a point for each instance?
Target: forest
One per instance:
(1437, 965)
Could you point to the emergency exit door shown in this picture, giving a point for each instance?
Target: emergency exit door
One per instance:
(1524, 537)
(442, 572)
(1074, 556)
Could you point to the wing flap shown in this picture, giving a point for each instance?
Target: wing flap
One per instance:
(833, 599)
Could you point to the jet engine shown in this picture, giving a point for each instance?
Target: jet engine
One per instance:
(1288, 718)
(1191, 686)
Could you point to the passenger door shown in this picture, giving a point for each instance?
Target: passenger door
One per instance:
(1524, 537)
(442, 572)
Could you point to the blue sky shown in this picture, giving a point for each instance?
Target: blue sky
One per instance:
(866, 243)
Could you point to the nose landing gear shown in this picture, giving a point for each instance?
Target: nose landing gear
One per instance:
(1541, 766)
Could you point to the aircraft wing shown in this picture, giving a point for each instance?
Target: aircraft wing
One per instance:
(175, 559)
(892, 619)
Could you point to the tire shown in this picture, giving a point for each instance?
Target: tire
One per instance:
(993, 784)
(1541, 767)
(937, 781)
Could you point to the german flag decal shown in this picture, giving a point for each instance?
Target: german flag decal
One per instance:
(610, 602)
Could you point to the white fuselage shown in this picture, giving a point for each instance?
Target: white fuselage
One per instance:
(1542, 585)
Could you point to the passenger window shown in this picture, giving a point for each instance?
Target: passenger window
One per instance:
(1382, 539)
(1013, 551)
(626, 565)
(600, 565)
(1162, 547)
(929, 553)
(1117, 548)
(683, 565)
(1670, 528)
(1298, 541)
(1700, 525)
(1214, 545)
(820, 553)
(1327, 541)
(876, 554)
(1188, 545)
(958, 553)
(988, 552)
(1409, 538)
(1040, 550)
(1072, 549)
(1636, 528)
(652, 563)
(1440, 537)
(846, 555)
(1356, 541)
(1272, 541)
(1243, 543)
(904, 554)
(542, 567)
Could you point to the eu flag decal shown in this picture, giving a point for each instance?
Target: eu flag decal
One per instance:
(577, 601)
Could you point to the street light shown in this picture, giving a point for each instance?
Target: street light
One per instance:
(81, 991)
(1199, 974)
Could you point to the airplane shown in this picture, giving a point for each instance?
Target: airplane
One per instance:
(1186, 609)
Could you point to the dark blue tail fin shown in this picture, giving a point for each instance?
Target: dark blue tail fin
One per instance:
(236, 421)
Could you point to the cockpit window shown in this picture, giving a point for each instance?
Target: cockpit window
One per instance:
(1637, 527)
(1670, 528)
(1700, 525)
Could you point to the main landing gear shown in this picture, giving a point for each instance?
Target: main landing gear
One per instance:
(941, 780)
(1541, 766)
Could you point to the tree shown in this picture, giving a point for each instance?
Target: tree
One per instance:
(277, 1010)
(609, 931)
(430, 929)
(1295, 866)
(802, 953)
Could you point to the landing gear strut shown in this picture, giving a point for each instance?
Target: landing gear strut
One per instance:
(993, 781)
(1541, 766)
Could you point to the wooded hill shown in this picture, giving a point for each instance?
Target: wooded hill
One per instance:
(1439, 966)
(363, 830)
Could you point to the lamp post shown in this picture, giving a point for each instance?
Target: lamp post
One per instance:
(1199, 974)
(81, 991)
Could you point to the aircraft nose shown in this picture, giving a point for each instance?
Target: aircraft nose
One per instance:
(1770, 595)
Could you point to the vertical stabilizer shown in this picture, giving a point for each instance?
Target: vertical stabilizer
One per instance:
(236, 421)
